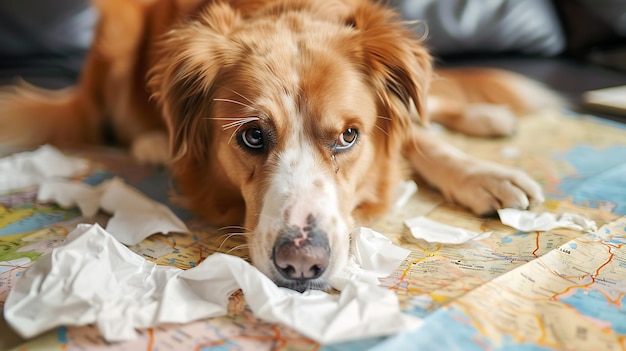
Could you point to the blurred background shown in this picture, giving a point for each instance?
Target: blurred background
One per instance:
(571, 45)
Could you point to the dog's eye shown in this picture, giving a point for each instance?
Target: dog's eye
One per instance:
(347, 139)
(252, 138)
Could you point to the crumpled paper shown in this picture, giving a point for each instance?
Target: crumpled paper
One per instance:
(527, 221)
(95, 279)
(372, 256)
(134, 215)
(435, 232)
(30, 168)
(404, 192)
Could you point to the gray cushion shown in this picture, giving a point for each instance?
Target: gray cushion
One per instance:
(483, 26)
(39, 27)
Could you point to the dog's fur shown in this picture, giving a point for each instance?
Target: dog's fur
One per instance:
(302, 76)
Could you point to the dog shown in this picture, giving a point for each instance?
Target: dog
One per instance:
(296, 118)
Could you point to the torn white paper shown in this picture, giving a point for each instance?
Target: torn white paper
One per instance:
(95, 279)
(69, 194)
(25, 169)
(435, 232)
(134, 215)
(527, 221)
(405, 190)
(372, 256)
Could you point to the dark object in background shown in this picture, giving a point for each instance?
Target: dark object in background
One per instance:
(553, 41)
(592, 26)
(44, 41)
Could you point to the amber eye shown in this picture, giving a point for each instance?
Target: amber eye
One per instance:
(347, 139)
(252, 139)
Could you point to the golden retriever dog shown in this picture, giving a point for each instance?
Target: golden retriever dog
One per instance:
(295, 118)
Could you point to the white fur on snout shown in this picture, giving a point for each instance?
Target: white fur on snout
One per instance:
(301, 187)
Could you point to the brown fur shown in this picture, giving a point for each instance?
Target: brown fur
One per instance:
(305, 68)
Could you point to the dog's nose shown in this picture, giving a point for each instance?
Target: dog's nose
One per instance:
(301, 259)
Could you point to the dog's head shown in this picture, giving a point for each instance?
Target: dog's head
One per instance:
(293, 115)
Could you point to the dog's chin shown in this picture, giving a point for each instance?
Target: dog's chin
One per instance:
(301, 285)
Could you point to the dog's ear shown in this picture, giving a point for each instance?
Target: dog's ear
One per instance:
(396, 62)
(190, 60)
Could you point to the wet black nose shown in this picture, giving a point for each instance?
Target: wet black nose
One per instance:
(301, 260)
(301, 253)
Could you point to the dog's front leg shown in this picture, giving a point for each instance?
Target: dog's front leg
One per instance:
(480, 185)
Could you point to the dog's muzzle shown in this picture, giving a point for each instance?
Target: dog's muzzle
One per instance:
(301, 256)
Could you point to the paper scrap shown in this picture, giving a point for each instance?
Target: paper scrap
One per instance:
(435, 232)
(70, 194)
(372, 256)
(405, 190)
(30, 168)
(527, 221)
(134, 215)
(95, 279)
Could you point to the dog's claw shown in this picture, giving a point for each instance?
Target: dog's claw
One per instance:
(486, 187)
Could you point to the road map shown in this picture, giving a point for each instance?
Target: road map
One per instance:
(555, 290)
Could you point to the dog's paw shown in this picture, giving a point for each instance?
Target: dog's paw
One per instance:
(151, 148)
(484, 187)
(488, 120)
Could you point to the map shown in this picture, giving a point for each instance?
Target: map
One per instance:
(560, 289)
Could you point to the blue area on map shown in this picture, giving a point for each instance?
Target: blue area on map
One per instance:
(357, 345)
(450, 330)
(62, 334)
(506, 240)
(223, 347)
(573, 245)
(594, 304)
(38, 221)
(98, 177)
(601, 176)
(418, 311)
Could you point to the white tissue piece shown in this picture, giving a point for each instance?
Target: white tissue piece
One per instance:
(134, 215)
(69, 194)
(527, 221)
(435, 232)
(405, 190)
(95, 279)
(30, 168)
(372, 256)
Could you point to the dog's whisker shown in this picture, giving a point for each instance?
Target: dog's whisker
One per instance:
(225, 118)
(237, 227)
(230, 235)
(236, 121)
(382, 130)
(239, 94)
(234, 102)
(227, 236)
(240, 122)
(383, 117)
(238, 247)
(234, 133)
